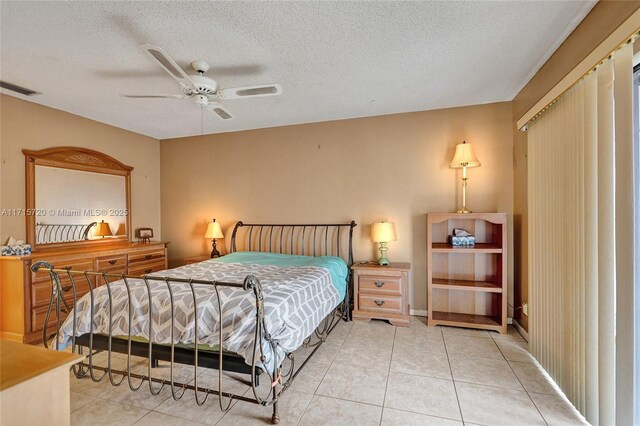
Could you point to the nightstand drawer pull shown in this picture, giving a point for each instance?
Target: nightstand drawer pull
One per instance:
(379, 302)
(149, 256)
(379, 283)
(112, 261)
(148, 271)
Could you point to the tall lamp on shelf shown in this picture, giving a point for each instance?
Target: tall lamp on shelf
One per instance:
(464, 158)
(382, 233)
(214, 232)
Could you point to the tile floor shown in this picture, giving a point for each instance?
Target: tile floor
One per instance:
(365, 374)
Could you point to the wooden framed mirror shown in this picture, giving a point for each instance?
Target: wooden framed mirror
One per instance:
(76, 196)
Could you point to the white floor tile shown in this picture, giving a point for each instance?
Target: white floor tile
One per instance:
(392, 417)
(414, 360)
(424, 395)
(496, 406)
(556, 410)
(102, 412)
(323, 411)
(363, 383)
(484, 371)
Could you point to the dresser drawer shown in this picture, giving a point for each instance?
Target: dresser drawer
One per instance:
(136, 259)
(117, 270)
(147, 268)
(383, 285)
(38, 316)
(73, 264)
(108, 263)
(380, 303)
(41, 292)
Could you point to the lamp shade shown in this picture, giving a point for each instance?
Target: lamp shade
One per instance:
(383, 232)
(103, 230)
(214, 230)
(464, 156)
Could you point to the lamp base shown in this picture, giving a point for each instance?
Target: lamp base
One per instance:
(383, 261)
(214, 250)
(464, 210)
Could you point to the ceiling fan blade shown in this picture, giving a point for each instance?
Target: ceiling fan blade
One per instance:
(156, 96)
(251, 91)
(168, 64)
(219, 111)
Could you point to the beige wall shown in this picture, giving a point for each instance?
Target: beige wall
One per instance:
(392, 167)
(32, 126)
(603, 19)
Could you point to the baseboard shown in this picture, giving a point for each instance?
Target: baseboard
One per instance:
(521, 330)
(418, 312)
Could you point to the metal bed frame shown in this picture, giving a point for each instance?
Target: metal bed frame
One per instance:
(287, 239)
(62, 233)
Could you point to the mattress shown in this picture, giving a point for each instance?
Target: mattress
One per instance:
(299, 292)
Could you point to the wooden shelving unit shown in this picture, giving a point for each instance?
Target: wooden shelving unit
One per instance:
(467, 286)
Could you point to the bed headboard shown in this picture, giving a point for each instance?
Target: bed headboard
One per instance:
(61, 233)
(316, 239)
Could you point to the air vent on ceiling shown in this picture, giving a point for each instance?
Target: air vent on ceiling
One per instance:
(18, 89)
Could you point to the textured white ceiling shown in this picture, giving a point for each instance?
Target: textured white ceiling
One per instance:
(335, 60)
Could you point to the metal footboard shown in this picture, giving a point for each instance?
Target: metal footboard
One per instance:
(64, 298)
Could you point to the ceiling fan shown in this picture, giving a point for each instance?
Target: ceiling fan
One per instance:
(204, 91)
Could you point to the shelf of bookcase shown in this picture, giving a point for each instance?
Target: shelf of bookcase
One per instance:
(466, 320)
(478, 248)
(466, 285)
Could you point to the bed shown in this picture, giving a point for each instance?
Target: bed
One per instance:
(282, 287)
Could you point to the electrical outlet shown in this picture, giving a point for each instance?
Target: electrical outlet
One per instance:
(525, 309)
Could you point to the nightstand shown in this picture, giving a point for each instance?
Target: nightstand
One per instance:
(196, 259)
(381, 292)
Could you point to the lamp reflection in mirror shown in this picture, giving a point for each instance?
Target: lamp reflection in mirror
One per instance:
(383, 232)
(463, 158)
(103, 230)
(214, 232)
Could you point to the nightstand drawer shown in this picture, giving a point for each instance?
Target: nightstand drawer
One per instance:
(379, 303)
(380, 285)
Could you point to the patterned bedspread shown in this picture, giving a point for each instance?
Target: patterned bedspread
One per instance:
(296, 300)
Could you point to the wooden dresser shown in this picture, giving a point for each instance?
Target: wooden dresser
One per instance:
(24, 295)
(381, 292)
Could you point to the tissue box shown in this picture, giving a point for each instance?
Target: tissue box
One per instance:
(462, 241)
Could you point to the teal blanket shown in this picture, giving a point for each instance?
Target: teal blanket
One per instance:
(335, 265)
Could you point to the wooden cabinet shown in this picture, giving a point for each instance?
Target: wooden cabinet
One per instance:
(25, 295)
(35, 385)
(467, 286)
(381, 292)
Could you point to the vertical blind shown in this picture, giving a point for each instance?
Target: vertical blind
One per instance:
(581, 250)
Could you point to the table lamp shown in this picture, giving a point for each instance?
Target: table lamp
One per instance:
(383, 232)
(103, 230)
(214, 232)
(463, 158)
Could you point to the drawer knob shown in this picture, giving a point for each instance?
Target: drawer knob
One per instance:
(149, 256)
(113, 261)
(148, 271)
(379, 283)
(67, 268)
(379, 302)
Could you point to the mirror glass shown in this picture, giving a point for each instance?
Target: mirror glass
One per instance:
(70, 205)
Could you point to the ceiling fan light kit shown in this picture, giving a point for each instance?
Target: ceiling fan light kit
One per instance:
(204, 91)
